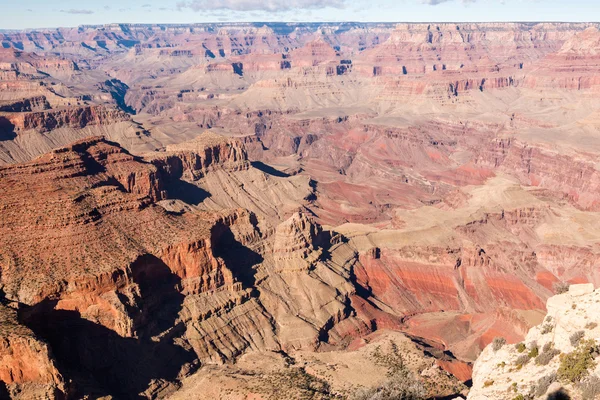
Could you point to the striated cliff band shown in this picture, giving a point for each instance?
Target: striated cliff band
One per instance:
(311, 210)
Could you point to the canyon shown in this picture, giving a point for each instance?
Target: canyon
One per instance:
(244, 210)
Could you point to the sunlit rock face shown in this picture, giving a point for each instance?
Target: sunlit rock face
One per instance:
(570, 328)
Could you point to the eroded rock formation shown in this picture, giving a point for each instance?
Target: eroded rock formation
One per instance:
(279, 191)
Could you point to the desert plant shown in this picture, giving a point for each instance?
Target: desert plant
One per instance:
(547, 355)
(590, 387)
(393, 360)
(575, 365)
(497, 343)
(401, 383)
(522, 360)
(561, 287)
(400, 386)
(520, 347)
(576, 338)
(544, 383)
(488, 383)
(533, 351)
(546, 328)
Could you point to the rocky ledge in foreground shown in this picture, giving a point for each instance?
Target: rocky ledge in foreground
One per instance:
(558, 359)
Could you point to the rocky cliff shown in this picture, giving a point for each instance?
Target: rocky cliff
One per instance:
(123, 281)
(283, 190)
(558, 356)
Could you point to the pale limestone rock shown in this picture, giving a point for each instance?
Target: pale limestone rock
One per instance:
(581, 289)
(495, 373)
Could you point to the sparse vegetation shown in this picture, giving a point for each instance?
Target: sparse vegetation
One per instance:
(561, 287)
(576, 338)
(548, 354)
(544, 383)
(590, 387)
(575, 366)
(547, 328)
(545, 358)
(533, 351)
(488, 383)
(393, 361)
(401, 383)
(498, 343)
(522, 360)
(294, 383)
(398, 387)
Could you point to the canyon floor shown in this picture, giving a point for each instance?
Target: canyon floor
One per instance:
(249, 211)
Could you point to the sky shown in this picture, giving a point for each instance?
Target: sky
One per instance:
(21, 14)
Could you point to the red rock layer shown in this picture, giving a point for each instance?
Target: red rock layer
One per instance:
(76, 117)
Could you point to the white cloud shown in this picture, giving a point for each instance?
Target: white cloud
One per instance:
(77, 11)
(436, 2)
(259, 5)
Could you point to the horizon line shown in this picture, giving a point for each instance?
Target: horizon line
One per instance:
(266, 23)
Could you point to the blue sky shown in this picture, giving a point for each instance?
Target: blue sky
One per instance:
(44, 13)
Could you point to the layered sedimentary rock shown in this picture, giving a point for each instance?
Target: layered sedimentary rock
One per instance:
(46, 121)
(200, 287)
(143, 259)
(27, 367)
(289, 188)
(572, 66)
(195, 159)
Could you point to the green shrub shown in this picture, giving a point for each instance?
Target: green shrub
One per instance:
(488, 383)
(576, 365)
(533, 352)
(520, 347)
